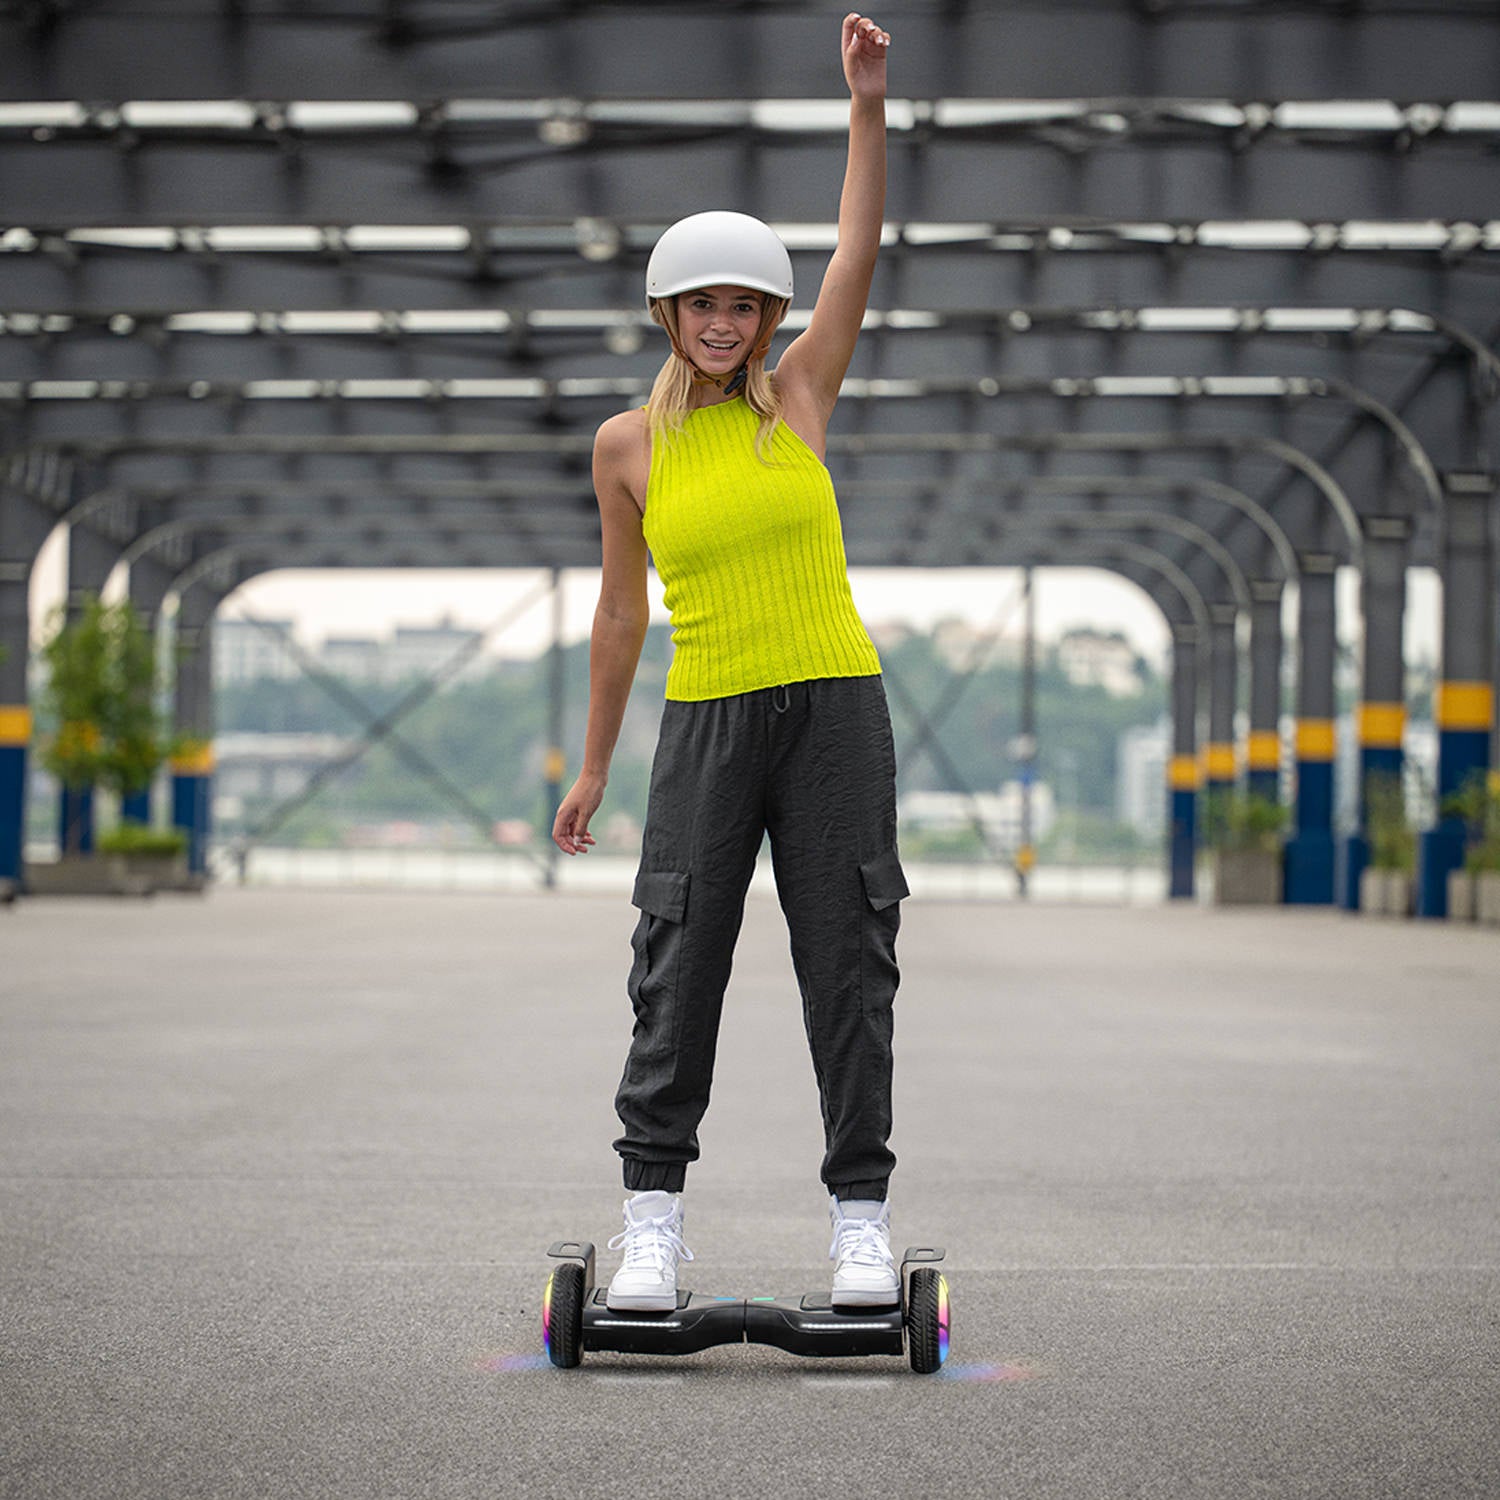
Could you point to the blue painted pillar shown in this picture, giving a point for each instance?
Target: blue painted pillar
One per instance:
(1382, 710)
(193, 710)
(15, 739)
(1309, 852)
(75, 819)
(1220, 764)
(1263, 744)
(23, 528)
(149, 585)
(1183, 772)
(1465, 706)
(91, 559)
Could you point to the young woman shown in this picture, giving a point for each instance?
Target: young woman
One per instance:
(775, 721)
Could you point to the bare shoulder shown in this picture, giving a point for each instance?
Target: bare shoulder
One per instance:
(622, 456)
(621, 434)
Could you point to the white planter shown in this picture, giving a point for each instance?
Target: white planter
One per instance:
(1487, 897)
(1385, 893)
(1247, 877)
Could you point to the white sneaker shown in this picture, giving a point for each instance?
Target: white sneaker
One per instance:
(652, 1239)
(864, 1273)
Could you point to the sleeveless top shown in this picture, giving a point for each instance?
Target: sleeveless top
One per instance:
(752, 558)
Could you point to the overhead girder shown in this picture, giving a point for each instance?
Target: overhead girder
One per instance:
(937, 401)
(104, 468)
(226, 344)
(119, 356)
(343, 49)
(269, 158)
(157, 518)
(1442, 270)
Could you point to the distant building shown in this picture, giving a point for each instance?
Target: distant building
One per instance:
(1097, 658)
(248, 652)
(960, 644)
(356, 658)
(425, 650)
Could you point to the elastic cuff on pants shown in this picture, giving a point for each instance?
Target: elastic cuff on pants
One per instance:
(879, 1190)
(654, 1176)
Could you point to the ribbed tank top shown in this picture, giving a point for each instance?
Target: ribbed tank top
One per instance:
(752, 559)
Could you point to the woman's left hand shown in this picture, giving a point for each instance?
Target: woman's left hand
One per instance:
(864, 48)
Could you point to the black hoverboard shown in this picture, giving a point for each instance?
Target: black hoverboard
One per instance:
(575, 1318)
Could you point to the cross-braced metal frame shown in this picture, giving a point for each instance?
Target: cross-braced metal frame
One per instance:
(1200, 291)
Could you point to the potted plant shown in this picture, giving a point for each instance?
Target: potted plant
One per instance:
(140, 857)
(100, 696)
(1244, 833)
(1385, 886)
(1474, 891)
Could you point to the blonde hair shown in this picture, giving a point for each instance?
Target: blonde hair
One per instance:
(671, 394)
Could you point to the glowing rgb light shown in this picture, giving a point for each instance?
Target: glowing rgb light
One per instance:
(547, 1317)
(942, 1319)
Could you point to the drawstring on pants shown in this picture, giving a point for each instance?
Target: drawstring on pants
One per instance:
(781, 699)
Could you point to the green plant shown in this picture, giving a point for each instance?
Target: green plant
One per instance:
(1393, 844)
(136, 838)
(1234, 821)
(1478, 805)
(100, 691)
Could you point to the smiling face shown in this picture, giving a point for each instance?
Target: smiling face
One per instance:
(717, 326)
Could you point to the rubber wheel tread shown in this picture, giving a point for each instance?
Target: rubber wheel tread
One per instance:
(923, 1344)
(565, 1325)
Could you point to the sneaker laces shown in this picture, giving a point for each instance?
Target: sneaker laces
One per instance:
(862, 1242)
(648, 1243)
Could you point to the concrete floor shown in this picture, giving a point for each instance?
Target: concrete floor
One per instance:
(278, 1171)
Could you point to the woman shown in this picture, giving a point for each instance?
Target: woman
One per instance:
(775, 721)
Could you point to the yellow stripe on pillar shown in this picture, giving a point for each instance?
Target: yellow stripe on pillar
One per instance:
(1263, 750)
(1465, 705)
(1182, 773)
(15, 724)
(1219, 762)
(195, 758)
(1382, 726)
(1315, 739)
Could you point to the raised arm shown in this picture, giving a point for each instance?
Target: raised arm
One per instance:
(619, 621)
(812, 368)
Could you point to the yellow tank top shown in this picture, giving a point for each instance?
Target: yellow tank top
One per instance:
(752, 559)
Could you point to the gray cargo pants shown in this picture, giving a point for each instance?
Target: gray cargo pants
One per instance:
(813, 766)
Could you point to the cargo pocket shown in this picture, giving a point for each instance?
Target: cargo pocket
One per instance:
(885, 888)
(661, 897)
(884, 880)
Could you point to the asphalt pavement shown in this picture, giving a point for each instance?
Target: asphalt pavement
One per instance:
(278, 1170)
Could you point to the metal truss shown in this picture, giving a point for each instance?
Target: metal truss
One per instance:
(441, 128)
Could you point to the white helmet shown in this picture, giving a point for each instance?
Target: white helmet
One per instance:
(719, 249)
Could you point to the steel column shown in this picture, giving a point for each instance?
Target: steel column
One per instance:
(1381, 723)
(1309, 854)
(1263, 745)
(193, 716)
(556, 761)
(1218, 760)
(24, 526)
(149, 585)
(1465, 707)
(1182, 768)
(91, 559)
